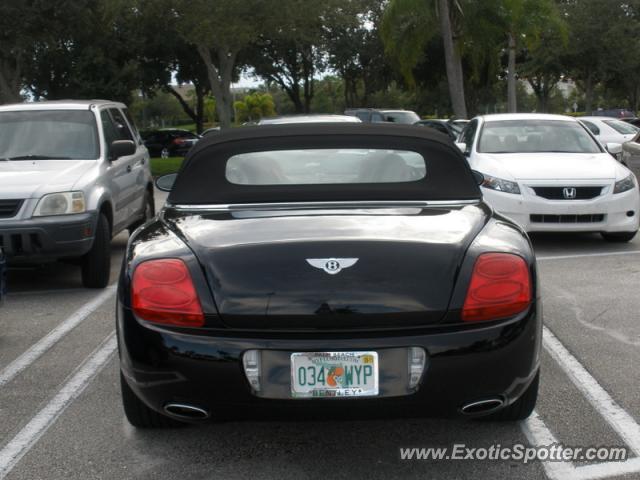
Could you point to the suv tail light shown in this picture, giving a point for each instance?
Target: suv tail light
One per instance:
(162, 292)
(500, 287)
(179, 141)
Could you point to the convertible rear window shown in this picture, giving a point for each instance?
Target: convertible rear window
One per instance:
(325, 166)
(323, 163)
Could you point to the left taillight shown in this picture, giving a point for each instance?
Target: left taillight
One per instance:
(162, 291)
(500, 287)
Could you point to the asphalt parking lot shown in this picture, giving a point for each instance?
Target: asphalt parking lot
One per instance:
(61, 416)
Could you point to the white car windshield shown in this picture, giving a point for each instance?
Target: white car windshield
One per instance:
(48, 135)
(533, 135)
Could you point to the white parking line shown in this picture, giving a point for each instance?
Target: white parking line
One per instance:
(19, 445)
(624, 424)
(586, 255)
(35, 351)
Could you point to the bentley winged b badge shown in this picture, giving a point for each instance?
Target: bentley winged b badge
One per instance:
(332, 265)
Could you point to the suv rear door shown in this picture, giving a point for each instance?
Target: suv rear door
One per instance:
(121, 175)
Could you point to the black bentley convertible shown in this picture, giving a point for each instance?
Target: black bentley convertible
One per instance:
(327, 267)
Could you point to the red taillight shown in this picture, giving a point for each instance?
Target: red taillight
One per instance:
(179, 141)
(162, 292)
(500, 287)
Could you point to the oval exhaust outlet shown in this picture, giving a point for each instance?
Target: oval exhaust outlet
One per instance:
(482, 407)
(184, 411)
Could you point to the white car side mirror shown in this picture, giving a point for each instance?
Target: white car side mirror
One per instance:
(614, 148)
(462, 146)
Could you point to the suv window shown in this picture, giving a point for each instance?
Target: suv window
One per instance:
(121, 126)
(109, 129)
(132, 125)
(376, 117)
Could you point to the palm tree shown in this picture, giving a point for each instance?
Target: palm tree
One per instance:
(408, 25)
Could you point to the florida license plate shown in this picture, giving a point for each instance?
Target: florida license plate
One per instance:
(334, 374)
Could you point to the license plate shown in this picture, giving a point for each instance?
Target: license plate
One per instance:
(334, 374)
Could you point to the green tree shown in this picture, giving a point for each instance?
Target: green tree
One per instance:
(86, 52)
(165, 56)
(291, 51)
(254, 106)
(219, 30)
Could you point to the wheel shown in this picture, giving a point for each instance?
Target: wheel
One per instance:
(138, 414)
(521, 408)
(618, 236)
(164, 153)
(149, 212)
(96, 263)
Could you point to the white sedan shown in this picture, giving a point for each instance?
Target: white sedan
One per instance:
(548, 173)
(607, 129)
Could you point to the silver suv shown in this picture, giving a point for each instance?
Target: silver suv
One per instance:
(72, 175)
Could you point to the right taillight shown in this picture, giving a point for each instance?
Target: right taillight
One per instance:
(162, 291)
(500, 287)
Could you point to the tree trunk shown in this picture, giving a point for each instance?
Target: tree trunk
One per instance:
(220, 80)
(588, 94)
(453, 62)
(10, 79)
(512, 106)
(200, 93)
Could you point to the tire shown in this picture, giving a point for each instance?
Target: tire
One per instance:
(164, 153)
(521, 408)
(96, 263)
(618, 236)
(149, 212)
(138, 414)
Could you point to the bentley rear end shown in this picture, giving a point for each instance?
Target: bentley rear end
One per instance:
(321, 268)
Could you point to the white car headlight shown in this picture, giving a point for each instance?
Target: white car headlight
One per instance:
(625, 184)
(63, 203)
(500, 184)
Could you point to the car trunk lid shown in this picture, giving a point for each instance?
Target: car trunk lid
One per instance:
(339, 269)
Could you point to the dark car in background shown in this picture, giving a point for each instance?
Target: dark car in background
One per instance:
(374, 115)
(168, 142)
(327, 269)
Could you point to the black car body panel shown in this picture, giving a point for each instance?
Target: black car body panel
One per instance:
(249, 269)
(400, 251)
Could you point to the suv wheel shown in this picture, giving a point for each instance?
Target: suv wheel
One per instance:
(618, 236)
(96, 263)
(138, 414)
(164, 153)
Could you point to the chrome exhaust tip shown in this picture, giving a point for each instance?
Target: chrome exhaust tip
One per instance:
(183, 411)
(482, 407)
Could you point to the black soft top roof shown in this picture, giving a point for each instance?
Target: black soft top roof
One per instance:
(202, 178)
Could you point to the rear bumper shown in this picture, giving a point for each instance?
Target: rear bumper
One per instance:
(536, 214)
(498, 360)
(48, 238)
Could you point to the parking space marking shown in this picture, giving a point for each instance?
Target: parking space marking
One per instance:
(539, 434)
(586, 255)
(19, 445)
(622, 423)
(46, 342)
